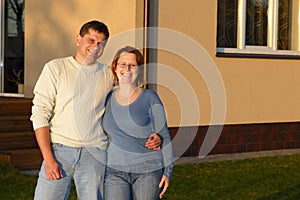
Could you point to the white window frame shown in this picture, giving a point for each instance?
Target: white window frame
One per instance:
(1, 47)
(271, 48)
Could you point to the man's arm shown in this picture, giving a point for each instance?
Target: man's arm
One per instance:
(52, 168)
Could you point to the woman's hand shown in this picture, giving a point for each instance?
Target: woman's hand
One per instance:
(164, 182)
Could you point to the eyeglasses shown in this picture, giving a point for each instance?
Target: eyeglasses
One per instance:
(125, 65)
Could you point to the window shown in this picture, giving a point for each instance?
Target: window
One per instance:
(12, 47)
(258, 27)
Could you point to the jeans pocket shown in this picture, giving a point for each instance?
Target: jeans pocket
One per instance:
(56, 146)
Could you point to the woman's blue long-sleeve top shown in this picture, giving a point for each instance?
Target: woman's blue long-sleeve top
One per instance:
(128, 129)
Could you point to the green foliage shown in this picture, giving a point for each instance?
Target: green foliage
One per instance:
(269, 178)
(14, 185)
(6, 170)
(260, 178)
(16, 76)
(18, 186)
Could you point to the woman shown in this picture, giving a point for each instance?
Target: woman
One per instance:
(132, 114)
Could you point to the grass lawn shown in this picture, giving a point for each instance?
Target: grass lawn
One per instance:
(265, 178)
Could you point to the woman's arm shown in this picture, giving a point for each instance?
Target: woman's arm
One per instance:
(160, 126)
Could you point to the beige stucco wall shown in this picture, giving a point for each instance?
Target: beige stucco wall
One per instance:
(51, 28)
(257, 90)
(193, 82)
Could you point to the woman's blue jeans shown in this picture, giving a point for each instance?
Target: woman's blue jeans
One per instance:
(84, 165)
(120, 185)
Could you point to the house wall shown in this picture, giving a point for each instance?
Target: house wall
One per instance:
(256, 90)
(51, 28)
(241, 104)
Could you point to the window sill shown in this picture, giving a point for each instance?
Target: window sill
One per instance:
(256, 53)
(252, 55)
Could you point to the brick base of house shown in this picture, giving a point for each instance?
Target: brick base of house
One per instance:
(5, 158)
(228, 139)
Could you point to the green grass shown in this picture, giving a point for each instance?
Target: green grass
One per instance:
(14, 185)
(267, 178)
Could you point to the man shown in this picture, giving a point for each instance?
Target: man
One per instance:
(66, 114)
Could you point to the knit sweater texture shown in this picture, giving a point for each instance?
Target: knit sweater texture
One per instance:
(69, 98)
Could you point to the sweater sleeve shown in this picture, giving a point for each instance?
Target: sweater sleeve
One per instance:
(160, 127)
(109, 78)
(44, 97)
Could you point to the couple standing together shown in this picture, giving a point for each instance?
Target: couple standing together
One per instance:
(93, 133)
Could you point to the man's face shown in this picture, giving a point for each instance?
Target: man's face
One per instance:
(90, 47)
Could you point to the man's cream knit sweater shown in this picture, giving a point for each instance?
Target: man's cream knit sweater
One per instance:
(69, 98)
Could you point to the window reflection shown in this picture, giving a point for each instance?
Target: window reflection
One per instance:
(284, 18)
(227, 23)
(257, 22)
(13, 46)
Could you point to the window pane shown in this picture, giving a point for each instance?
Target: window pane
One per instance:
(227, 23)
(257, 22)
(284, 17)
(13, 45)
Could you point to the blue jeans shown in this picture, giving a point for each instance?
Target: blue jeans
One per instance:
(84, 165)
(120, 185)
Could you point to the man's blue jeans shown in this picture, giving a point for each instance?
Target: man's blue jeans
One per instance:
(84, 165)
(120, 185)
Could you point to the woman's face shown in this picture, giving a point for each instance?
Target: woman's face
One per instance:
(127, 69)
